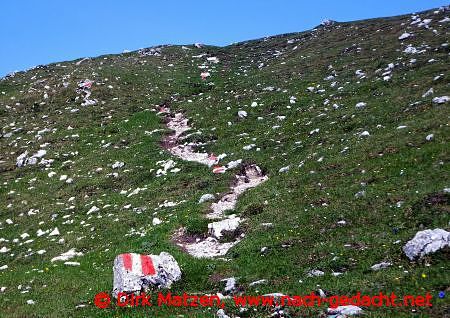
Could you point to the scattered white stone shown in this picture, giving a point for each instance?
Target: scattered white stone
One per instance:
(429, 137)
(284, 169)
(4, 249)
(156, 221)
(136, 191)
(315, 272)
(360, 74)
(428, 93)
(221, 314)
(360, 194)
(404, 36)
(343, 311)
(242, 114)
(117, 165)
(206, 197)
(212, 59)
(360, 105)
(233, 164)
(410, 50)
(424, 23)
(230, 284)
(24, 160)
(92, 210)
(441, 100)
(249, 147)
(55, 232)
(67, 255)
(258, 282)
(364, 134)
(381, 265)
(166, 165)
(72, 263)
(426, 242)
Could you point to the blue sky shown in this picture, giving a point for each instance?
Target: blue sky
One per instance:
(44, 31)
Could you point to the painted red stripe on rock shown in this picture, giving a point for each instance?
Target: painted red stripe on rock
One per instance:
(127, 261)
(147, 265)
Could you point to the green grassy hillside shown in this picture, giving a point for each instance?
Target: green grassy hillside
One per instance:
(300, 92)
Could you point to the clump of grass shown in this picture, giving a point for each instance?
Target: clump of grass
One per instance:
(197, 225)
(253, 209)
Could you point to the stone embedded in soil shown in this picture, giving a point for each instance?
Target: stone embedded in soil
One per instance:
(315, 272)
(24, 160)
(218, 229)
(426, 242)
(441, 99)
(221, 314)
(258, 282)
(343, 311)
(230, 284)
(381, 265)
(206, 197)
(67, 255)
(208, 248)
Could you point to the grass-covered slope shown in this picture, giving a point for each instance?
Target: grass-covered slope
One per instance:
(386, 185)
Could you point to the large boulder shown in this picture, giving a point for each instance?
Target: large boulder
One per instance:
(134, 273)
(426, 242)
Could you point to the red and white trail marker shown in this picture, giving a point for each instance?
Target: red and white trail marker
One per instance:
(138, 264)
(219, 169)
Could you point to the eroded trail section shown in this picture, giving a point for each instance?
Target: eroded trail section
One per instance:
(211, 244)
(250, 177)
(179, 124)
